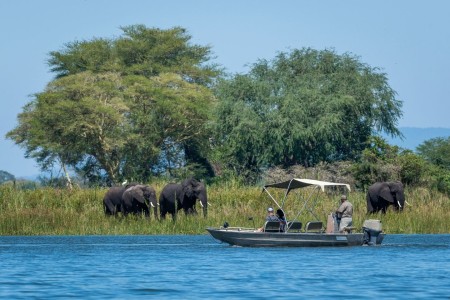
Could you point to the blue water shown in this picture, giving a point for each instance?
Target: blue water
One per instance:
(196, 267)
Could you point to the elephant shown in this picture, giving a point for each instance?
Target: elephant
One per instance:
(138, 198)
(112, 201)
(382, 194)
(183, 196)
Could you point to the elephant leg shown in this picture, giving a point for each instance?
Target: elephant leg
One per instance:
(125, 209)
(370, 208)
(109, 208)
(162, 211)
(106, 209)
(113, 210)
(190, 211)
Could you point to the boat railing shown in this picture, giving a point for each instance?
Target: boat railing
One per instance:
(239, 228)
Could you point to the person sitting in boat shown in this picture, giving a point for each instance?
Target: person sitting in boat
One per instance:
(344, 214)
(282, 219)
(270, 217)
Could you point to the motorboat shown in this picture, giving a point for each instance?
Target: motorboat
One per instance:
(292, 233)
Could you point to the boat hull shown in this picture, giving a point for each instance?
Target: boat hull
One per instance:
(253, 238)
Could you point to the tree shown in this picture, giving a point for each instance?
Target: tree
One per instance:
(303, 107)
(377, 162)
(114, 103)
(436, 151)
(5, 176)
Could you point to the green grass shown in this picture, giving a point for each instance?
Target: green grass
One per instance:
(80, 212)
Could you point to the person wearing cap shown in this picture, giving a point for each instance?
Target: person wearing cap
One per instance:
(270, 215)
(344, 213)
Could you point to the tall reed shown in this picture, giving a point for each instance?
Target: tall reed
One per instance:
(80, 212)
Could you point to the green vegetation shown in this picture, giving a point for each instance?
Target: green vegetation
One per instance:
(149, 104)
(120, 108)
(5, 177)
(301, 108)
(80, 212)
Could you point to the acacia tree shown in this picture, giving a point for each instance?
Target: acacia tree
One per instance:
(302, 107)
(114, 103)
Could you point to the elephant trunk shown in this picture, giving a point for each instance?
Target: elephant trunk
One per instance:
(400, 197)
(154, 204)
(203, 199)
(155, 210)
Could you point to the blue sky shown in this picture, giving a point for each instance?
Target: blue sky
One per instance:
(407, 40)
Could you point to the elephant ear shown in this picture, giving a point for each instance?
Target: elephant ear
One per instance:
(199, 187)
(137, 193)
(396, 187)
(386, 194)
(148, 191)
(194, 182)
(187, 188)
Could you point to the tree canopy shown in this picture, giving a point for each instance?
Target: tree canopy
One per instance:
(151, 102)
(115, 104)
(436, 151)
(303, 107)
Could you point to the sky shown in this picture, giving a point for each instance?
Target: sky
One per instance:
(407, 40)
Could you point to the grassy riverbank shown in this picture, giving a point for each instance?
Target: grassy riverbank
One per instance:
(80, 212)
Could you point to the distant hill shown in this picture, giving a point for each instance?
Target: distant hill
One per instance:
(414, 136)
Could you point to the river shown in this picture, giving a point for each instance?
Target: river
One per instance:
(196, 267)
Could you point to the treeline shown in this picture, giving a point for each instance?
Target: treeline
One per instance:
(149, 103)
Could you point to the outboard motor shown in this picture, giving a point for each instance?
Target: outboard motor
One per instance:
(371, 229)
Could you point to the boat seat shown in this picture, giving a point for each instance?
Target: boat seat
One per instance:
(314, 226)
(272, 226)
(294, 226)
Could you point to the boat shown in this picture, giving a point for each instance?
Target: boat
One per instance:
(292, 234)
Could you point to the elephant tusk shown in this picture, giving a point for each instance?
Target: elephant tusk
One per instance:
(209, 203)
(407, 203)
(201, 203)
(152, 204)
(399, 205)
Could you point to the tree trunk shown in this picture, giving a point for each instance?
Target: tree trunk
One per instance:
(66, 174)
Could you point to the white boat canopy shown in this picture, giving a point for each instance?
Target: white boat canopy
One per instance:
(296, 183)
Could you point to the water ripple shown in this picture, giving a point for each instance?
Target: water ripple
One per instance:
(192, 267)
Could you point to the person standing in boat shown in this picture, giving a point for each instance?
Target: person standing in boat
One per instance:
(344, 214)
